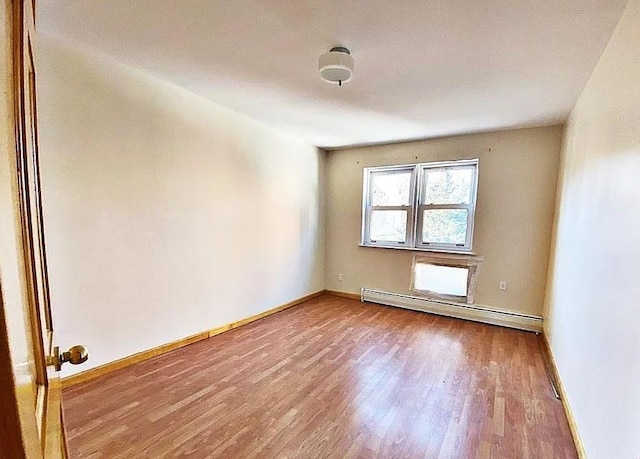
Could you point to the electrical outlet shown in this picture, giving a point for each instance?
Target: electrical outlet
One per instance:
(503, 285)
(340, 277)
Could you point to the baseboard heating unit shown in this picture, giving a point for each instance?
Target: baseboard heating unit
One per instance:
(461, 311)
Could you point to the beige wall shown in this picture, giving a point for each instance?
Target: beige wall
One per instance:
(593, 310)
(516, 192)
(166, 214)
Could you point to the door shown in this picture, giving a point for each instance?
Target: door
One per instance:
(31, 400)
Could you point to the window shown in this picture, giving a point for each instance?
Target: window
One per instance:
(445, 276)
(443, 280)
(428, 206)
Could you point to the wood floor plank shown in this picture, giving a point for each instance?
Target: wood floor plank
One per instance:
(331, 378)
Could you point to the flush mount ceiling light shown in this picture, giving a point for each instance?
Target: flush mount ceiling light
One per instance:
(336, 66)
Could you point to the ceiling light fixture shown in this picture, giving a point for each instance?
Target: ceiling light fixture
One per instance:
(336, 66)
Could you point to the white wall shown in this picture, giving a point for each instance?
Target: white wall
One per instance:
(166, 214)
(514, 214)
(593, 304)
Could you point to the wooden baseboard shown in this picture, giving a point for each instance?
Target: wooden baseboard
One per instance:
(130, 360)
(145, 355)
(563, 397)
(352, 296)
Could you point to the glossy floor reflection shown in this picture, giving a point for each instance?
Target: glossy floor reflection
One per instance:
(329, 378)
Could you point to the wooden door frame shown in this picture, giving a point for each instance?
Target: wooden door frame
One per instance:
(19, 433)
(24, 199)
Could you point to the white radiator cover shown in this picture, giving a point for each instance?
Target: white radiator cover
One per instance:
(458, 310)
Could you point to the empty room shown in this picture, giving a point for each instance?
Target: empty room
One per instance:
(320, 229)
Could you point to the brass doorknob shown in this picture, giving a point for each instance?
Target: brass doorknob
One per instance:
(75, 356)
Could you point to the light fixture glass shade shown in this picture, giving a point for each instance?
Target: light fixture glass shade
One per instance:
(336, 66)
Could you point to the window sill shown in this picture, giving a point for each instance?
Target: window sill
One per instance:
(413, 249)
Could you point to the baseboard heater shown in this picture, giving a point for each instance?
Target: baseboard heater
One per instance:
(461, 311)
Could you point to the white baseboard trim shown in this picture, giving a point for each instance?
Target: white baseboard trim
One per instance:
(476, 313)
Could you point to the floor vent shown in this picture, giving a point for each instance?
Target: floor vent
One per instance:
(461, 311)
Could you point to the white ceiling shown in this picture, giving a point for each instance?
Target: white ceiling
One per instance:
(423, 68)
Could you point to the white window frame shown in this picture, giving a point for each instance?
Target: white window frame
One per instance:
(368, 208)
(415, 210)
(467, 246)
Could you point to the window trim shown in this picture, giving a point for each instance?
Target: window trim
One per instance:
(367, 208)
(470, 207)
(472, 263)
(415, 211)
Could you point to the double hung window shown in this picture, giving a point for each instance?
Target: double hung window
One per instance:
(428, 206)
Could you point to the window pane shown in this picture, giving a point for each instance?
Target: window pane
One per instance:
(391, 188)
(444, 226)
(448, 186)
(388, 226)
(446, 280)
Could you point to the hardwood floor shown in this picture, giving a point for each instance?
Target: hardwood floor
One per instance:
(332, 377)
